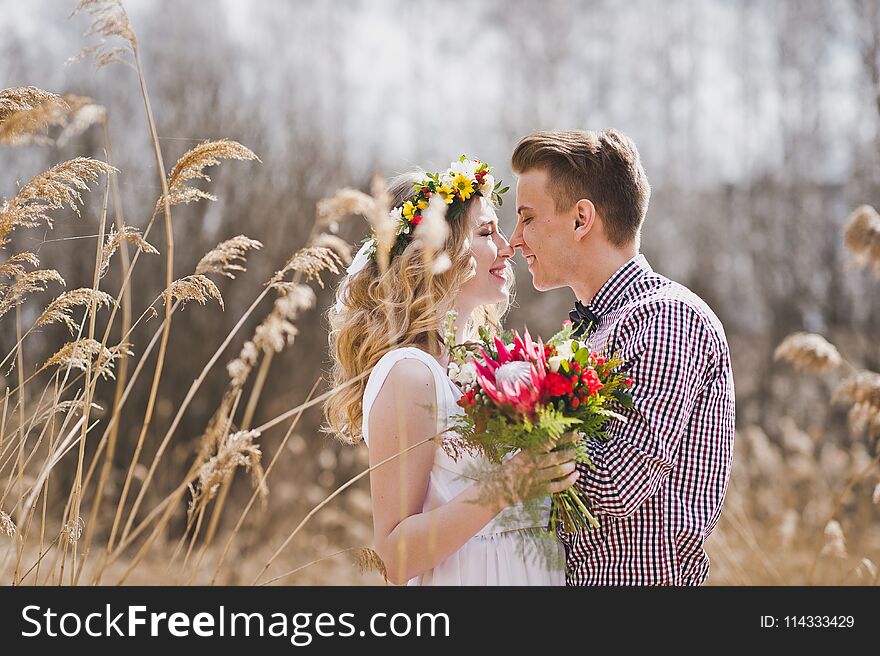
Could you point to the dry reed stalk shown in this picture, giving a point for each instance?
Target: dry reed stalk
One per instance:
(77, 489)
(240, 247)
(167, 505)
(21, 402)
(809, 352)
(437, 437)
(861, 236)
(272, 333)
(254, 495)
(111, 20)
(189, 167)
(123, 368)
(365, 559)
(240, 369)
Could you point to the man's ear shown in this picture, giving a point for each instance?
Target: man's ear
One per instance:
(585, 218)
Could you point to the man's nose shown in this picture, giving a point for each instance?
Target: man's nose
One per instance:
(516, 240)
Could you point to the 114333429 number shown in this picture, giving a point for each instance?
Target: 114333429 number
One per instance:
(818, 621)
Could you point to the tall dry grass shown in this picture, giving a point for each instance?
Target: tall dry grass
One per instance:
(70, 513)
(802, 509)
(78, 506)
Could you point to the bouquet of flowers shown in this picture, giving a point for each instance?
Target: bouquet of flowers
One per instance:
(524, 395)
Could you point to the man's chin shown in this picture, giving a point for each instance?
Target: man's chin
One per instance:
(541, 285)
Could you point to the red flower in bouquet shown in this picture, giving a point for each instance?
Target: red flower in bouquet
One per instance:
(558, 385)
(516, 378)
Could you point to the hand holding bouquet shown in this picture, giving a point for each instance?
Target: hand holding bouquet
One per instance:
(521, 395)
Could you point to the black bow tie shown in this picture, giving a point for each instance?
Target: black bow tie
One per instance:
(583, 319)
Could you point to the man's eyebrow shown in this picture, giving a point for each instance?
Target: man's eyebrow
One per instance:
(519, 210)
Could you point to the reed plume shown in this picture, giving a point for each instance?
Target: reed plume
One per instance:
(109, 21)
(27, 113)
(59, 186)
(191, 167)
(84, 353)
(861, 235)
(7, 526)
(28, 283)
(225, 257)
(61, 309)
(22, 99)
(336, 244)
(808, 351)
(31, 123)
(862, 392)
(12, 267)
(311, 261)
(368, 560)
(835, 543)
(374, 207)
(115, 238)
(193, 288)
(237, 450)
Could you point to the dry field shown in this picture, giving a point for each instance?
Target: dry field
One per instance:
(85, 499)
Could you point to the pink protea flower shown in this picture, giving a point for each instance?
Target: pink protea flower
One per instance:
(517, 378)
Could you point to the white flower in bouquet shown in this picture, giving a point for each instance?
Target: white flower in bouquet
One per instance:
(464, 374)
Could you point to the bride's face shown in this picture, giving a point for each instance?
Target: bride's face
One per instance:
(489, 254)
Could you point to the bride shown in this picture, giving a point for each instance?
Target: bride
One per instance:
(434, 521)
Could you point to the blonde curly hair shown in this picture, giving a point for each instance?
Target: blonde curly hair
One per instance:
(403, 306)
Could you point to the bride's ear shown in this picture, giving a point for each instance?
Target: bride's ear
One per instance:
(584, 219)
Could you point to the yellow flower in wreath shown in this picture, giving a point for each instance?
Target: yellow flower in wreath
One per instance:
(464, 185)
(445, 192)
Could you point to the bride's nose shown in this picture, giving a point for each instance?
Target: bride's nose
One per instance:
(505, 250)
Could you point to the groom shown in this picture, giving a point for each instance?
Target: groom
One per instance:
(658, 484)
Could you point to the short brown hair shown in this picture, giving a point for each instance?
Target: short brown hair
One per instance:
(603, 167)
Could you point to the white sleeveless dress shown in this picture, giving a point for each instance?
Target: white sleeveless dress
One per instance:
(511, 549)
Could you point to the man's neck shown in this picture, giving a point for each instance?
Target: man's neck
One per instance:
(598, 268)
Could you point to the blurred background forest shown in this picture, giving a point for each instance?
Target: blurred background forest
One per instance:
(759, 128)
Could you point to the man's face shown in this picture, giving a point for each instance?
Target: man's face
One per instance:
(544, 236)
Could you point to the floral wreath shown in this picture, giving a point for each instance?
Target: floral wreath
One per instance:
(456, 185)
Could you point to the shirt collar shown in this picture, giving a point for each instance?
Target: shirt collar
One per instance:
(612, 291)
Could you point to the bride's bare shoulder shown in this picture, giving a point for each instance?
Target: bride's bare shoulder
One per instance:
(410, 377)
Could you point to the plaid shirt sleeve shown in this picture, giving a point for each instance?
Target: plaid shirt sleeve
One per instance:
(669, 351)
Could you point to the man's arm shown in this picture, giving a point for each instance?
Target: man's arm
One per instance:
(670, 351)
